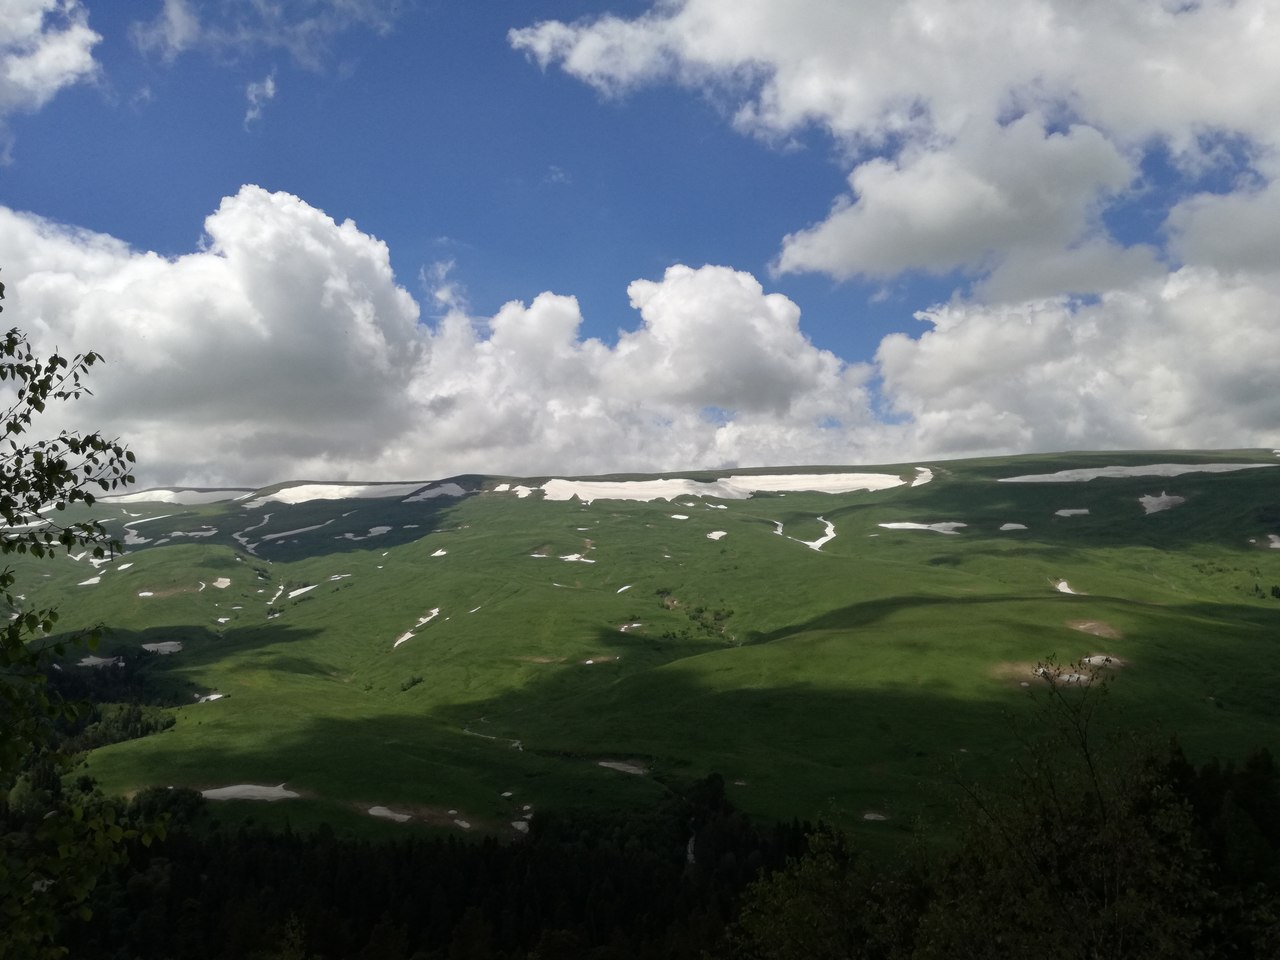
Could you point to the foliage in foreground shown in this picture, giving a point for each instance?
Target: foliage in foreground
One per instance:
(54, 842)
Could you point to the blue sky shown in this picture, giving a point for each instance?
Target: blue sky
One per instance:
(1080, 201)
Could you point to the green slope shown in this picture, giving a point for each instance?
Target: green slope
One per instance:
(836, 683)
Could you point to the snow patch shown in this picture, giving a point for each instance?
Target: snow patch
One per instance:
(90, 582)
(164, 647)
(1165, 501)
(249, 791)
(388, 814)
(1012, 526)
(951, 527)
(923, 476)
(1072, 512)
(1086, 474)
(306, 492)
(440, 553)
(181, 496)
(289, 533)
(222, 583)
(827, 537)
(623, 589)
(717, 534)
(373, 532)
(1063, 587)
(444, 490)
(300, 591)
(737, 487)
(679, 516)
(622, 766)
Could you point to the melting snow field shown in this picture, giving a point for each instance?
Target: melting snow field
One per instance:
(440, 553)
(388, 814)
(726, 488)
(222, 583)
(183, 497)
(947, 526)
(1063, 587)
(1146, 470)
(248, 791)
(300, 591)
(306, 492)
(716, 534)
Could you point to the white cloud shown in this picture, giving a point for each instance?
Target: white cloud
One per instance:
(303, 28)
(920, 96)
(285, 348)
(1234, 231)
(994, 190)
(1186, 360)
(258, 93)
(175, 29)
(45, 45)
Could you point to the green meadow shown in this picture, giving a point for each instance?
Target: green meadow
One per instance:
(852, 682)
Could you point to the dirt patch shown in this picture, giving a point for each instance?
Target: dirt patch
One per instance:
(1013, 670)
(1098, 628)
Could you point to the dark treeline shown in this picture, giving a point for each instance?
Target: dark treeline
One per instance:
(1155, 858)
(577, 886)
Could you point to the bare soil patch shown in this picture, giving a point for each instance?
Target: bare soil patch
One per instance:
(1098, 628)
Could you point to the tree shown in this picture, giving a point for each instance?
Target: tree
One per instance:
(53, 845)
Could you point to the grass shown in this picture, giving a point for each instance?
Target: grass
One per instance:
(827, 683)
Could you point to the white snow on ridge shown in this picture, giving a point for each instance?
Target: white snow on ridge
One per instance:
(306, 492)
(726, 488)
(946, 526)
(1085, 474)
(180, 495)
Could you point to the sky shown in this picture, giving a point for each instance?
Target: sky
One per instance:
(409, 239)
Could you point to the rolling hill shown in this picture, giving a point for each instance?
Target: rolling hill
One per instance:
(835, 641)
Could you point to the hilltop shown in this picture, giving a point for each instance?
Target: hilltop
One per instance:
(834, 641)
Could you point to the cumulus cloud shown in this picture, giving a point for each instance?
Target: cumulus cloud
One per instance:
(45, 45)
(979, 133)
(285, 348)
(994, 190)
(1187, 360)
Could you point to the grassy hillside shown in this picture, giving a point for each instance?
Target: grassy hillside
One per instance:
(843, 682)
